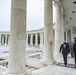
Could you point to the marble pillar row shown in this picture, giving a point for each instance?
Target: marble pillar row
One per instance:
(58, 28)
(16, 64)
(48, 33)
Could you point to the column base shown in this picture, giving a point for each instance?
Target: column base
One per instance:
(47, 62)
(25, 73)
(58, 58)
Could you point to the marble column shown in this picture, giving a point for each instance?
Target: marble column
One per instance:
(72, 38)
(16, 64)
(36, 40)
(48, 33)
(31, 39)
(58, 28)
(41, 39)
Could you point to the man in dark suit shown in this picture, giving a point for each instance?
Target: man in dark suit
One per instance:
(64, 48)
(74, 48)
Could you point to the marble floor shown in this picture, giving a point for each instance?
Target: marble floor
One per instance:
(2, 70)
(55, 70)
(52, 69)
(58, 69)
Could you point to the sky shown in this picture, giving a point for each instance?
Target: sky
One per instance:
(35, 14)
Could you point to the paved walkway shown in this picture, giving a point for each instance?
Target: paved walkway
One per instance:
(55, 70)
(58, 69)
(2, 70)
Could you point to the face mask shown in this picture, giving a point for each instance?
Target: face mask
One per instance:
(64, 43)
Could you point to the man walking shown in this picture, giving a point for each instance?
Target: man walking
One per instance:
(64, 49)
(74, 48)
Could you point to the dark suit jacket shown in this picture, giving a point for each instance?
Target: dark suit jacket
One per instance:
(74, 47)
(64, 50)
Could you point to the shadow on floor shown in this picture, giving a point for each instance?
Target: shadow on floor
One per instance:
(68, 65)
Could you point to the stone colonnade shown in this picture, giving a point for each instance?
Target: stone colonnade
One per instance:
(34, 38)
(4, 39)
(18, 38)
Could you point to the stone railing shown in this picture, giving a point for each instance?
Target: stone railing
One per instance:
(36, 55)
(4, 63)
(32, 61)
